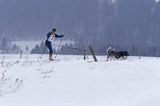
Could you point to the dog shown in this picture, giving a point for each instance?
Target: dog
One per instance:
(113, 54)
(123, 54)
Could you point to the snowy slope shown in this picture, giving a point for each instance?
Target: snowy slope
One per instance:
(70, 81)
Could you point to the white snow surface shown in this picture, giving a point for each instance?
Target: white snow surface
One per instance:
(71, 81)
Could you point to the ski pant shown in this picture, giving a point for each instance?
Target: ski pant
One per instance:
(49, 46)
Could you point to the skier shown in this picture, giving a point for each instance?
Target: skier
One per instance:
(50, 38)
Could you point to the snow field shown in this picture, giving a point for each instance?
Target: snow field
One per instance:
(70, 81)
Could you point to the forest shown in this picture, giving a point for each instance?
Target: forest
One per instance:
(131, 25)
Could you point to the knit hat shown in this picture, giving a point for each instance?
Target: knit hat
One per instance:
(54, 30)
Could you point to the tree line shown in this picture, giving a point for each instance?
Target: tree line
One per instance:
(132, 25)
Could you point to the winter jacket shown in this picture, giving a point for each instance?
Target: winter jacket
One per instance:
(50, 38)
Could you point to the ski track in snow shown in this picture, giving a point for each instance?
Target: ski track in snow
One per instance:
(70, 81)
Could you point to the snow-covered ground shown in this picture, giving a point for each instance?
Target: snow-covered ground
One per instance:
(71, 81)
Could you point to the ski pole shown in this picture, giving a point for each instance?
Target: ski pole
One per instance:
(59, 47)
(43, 52)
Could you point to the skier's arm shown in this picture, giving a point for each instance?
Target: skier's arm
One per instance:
(59, 35)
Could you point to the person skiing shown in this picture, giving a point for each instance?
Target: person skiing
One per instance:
(50, 38)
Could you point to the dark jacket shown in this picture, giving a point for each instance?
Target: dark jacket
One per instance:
(56, 36)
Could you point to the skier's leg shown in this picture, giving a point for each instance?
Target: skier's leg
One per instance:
(50, 52)
(49, 46)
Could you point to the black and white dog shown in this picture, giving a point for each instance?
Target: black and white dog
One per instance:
(113, 54)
